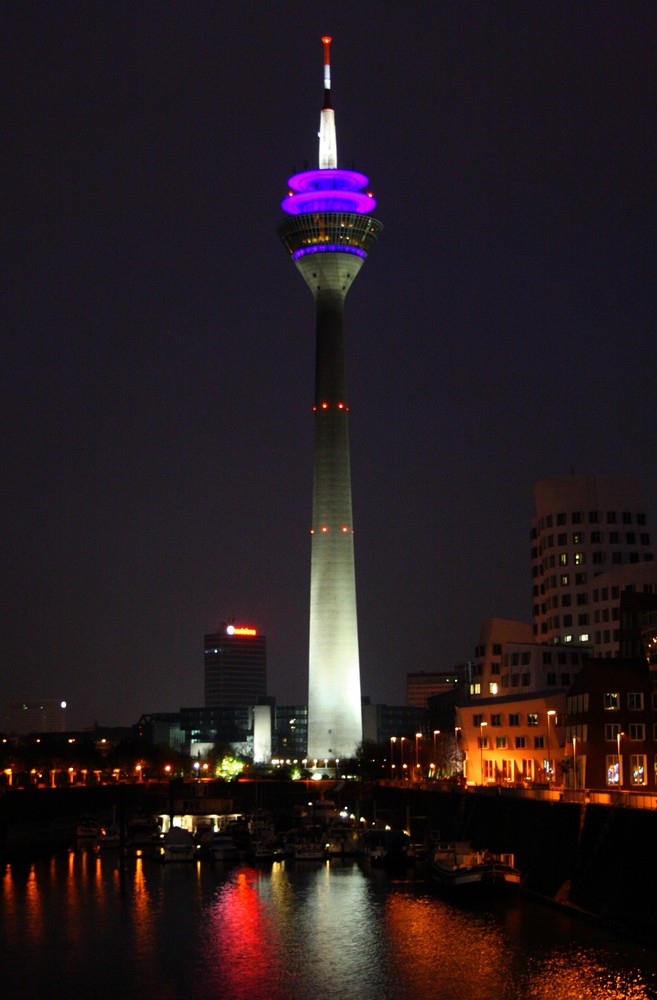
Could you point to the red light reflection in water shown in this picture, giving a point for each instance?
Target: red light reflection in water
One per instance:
(243, 954)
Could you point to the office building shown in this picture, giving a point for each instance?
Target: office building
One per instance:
(420, 686)
(235, 667)
(47, 715)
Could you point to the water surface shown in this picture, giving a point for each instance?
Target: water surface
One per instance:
(81, 925)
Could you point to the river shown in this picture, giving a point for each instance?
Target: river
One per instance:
(80, 925)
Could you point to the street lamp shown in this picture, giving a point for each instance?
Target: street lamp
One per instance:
(436, 732)
(481, 749)
(401, 750)
(620, 759)
(575, 763)
(418, 737)
(551, 713)
(393, 740)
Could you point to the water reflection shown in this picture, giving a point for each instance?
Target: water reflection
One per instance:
(332, 930)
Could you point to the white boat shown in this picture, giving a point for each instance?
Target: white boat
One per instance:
(459, 866)
(177, 844)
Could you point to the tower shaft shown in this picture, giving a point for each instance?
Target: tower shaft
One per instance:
(334, 698)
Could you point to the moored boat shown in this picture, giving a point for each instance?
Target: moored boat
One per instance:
(87, 828)
(385, 846)
(459, 866)
(177, 844)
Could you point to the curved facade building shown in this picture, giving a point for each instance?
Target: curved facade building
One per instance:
(590, 540)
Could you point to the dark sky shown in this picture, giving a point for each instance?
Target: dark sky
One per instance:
(157, 367)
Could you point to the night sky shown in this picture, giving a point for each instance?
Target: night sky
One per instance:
(158, 360)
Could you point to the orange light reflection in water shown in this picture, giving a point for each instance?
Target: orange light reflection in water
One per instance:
(427, 950)
(425, 944)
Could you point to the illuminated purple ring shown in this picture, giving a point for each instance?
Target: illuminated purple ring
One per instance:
(308, 202)
(328, 180)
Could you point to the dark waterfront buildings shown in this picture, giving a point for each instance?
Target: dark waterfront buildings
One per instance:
(328, 233)
(235, 667)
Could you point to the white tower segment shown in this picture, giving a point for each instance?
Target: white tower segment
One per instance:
(328, 143)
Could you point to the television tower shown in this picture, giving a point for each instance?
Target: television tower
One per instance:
(328, 231)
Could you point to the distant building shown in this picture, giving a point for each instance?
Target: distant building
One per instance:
(219, 724)
(235, 667)
(161, 729)
(290, 736)
(422, 685)
(382, 722)
(45, 716)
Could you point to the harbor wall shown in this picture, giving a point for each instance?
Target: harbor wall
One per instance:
(589, 857)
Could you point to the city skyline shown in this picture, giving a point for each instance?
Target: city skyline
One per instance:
(155, 484)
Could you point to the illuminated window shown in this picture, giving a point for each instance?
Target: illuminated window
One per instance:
(611, 701)
(638, 769)
(532, 719)
(564, 579)
(613, 769)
